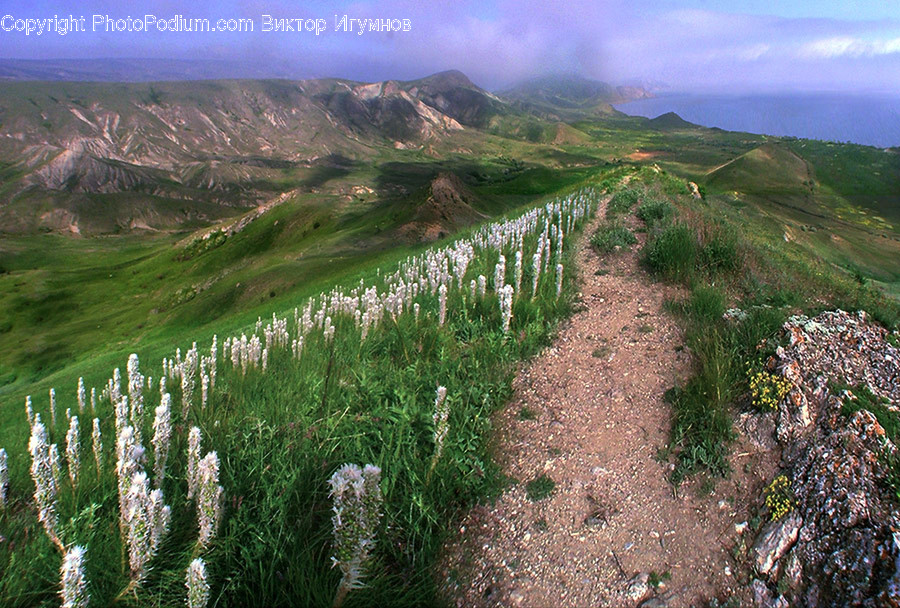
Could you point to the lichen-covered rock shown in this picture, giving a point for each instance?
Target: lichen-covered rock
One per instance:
(775, 540)
(841, 544)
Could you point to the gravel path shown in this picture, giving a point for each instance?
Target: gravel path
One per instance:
(589, 413)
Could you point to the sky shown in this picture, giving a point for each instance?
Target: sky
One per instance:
(682, 45)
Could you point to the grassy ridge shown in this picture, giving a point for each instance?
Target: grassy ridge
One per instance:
(727, 258)
(280, 435)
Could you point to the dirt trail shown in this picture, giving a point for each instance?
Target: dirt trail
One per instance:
(589, 413)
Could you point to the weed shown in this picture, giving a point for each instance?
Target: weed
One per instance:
(656, 579)
(672, 253)
(622, 201)
(655, 213)
(706, 304)
(539, 488)
(719, 253)
(645, 328)
(707, 488)
(861, 397)
(612, 237)
(526, 413)
(601, 352)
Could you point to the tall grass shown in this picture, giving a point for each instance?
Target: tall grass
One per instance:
(281, 433)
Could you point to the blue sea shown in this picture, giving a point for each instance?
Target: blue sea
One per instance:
(872, 120)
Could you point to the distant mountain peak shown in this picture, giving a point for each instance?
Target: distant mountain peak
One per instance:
(569, 96)
(448, 78)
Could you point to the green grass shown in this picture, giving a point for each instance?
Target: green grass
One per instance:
(526, 413)
(612, 237)
(539, 488)
(280, 435)
(707, 255)
(654, 213)
(673, 253)
(623, 201)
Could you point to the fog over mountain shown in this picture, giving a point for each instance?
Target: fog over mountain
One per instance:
(696, 45)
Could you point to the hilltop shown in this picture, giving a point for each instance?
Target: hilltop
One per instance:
(568, 97)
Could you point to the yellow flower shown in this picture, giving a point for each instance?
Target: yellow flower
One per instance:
(767, 390)
(779, 497)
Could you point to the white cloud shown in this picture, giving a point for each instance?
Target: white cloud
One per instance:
(847, 46)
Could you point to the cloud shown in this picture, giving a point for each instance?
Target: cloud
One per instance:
(500, 42)
(845, 46)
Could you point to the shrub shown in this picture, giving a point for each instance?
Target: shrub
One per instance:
(673, 253)
(622, 201)
(654, 213)
(611, 236)
(719, 253)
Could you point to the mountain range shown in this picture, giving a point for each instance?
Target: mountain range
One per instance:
(227, 145)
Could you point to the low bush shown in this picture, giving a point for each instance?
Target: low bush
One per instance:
(612, 236)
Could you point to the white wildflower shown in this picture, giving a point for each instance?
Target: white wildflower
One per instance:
(357, 507)
(29, 411)
(441, 424)
(517, 277)
(55, 463)
(500, 273)
(146, 521)
(204, 387)
(559, 279)
(537, 273)
(197, 586)
(129, 458)
(82, 396)
(193, 461)
(46, 487)
(73, 450)
(121, 412)
(506, 301)
(97, 445)
(210, 499)
(188, 381)
(52, 408)
(162, 436)
(74, 583)
(4, 478)
(442, 304)
(213, 358)
(115, 392)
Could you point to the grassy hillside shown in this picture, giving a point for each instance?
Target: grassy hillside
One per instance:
(281, 424)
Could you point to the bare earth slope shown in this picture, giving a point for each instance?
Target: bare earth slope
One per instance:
(589, 413)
